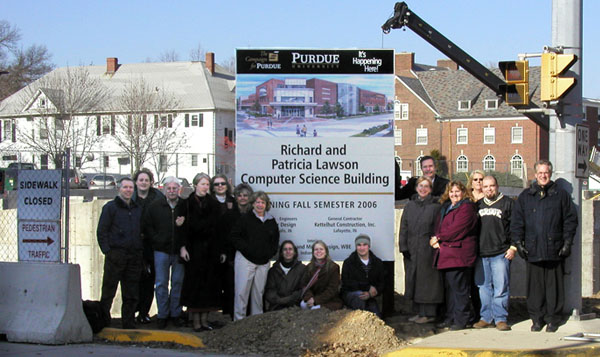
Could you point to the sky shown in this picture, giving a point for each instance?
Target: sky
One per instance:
(87, 32)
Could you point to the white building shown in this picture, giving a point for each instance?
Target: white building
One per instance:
(204, 114)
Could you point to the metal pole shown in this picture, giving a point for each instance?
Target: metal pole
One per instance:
(67, 201)
(567, 33)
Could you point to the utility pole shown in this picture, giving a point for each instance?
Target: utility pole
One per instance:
(567, 34)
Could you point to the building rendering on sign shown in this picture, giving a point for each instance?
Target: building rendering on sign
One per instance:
(446, 109)
(300, 97)
(187, 125)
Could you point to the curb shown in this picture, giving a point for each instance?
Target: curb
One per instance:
(120, 335)
(580, 351)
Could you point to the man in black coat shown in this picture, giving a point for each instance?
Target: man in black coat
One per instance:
(119, 239)
(362, 277)
(428, 166)
(543, 225)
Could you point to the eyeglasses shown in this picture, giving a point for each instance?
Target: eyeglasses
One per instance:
(220, 184)
(477, 179)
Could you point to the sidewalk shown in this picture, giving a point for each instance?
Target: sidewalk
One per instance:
(518, 342)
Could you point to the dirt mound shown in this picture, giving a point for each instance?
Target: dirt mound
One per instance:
(296, 332)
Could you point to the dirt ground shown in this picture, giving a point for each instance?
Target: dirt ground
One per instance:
(295, 332)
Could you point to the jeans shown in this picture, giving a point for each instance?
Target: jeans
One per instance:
(168, 304)
(492, 277)
(354, 302)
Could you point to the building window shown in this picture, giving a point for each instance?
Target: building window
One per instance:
(464, 105)
(194, 159)
(43, 129)
(489, 163)
(162, 163)
(78, 161)
(106, 161)
(516, 135)
(397, 136)
(421, 136)
(462, 164)
(400, 110)
(516, 165)
(6, 130)
(462, 135)
(105, 124)
(42, 103)
(44, 161)
(489, 135)
(491, 104)
(418, 170)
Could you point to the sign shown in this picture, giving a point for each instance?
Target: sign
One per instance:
(39, 241)
(315, 131)
(39, 194)
(582, 151)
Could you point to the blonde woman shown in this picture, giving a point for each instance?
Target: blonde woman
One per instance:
(475, 185)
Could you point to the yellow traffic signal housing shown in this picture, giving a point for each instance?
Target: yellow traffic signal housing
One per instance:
(553, 65)
(516, 89)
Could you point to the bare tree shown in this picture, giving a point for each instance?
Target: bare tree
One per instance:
(19, 67)
(198, 53)
(147, 125)
(60, 105)
(169, 56)
(229, 64)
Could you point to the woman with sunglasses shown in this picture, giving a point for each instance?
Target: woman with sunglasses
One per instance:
(221, 190)
(475, 185)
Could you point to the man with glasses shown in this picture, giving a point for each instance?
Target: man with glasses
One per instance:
(543, 225)
(428, 167)
(161, 221)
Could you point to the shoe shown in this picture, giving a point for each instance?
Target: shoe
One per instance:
(502, 326)
(207, 328)
(198, 329)
(162, 323)
(424, 320)
(443, 324)
(414, 318)
(537, 327)
(143, 319)
(482, 324)
(179, 322)
(552, 327)
(457, 327)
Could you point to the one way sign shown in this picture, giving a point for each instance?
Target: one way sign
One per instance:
(582, 151)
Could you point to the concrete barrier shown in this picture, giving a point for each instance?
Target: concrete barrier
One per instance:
(41, 303)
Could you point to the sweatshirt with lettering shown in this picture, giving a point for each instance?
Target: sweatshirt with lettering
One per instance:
(494, 236)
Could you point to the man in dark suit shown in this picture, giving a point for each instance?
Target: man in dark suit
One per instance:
(428, 166)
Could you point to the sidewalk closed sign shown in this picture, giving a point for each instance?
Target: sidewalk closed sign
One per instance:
(39, 194)
(38, 213)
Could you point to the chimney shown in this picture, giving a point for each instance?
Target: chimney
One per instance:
(210, 62)
(112, 64)
(404, 61)
(448, 63)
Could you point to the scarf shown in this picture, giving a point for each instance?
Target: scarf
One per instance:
(315, 276)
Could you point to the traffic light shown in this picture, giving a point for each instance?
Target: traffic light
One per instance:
(516, 89)
(553, 65)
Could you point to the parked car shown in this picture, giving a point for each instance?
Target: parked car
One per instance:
(77, 179)
(100, 182)
(22, 166)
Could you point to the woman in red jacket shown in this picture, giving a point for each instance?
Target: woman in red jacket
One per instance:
(456, 244)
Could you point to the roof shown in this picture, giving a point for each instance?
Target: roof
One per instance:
(190, 82)
(443, 89)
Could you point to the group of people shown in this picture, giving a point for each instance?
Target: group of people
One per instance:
(458, 242)
(212, 251)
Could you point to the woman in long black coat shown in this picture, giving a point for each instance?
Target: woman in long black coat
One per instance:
(202, 253)
(423, 282)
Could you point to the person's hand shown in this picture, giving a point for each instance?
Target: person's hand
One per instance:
(179, 221)
(372, 291)
(565, 251)
(364, 295)
(183, 253)
(434, 242)
(222, 258)
(510, 253)
(523, 252)
(310, 302)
